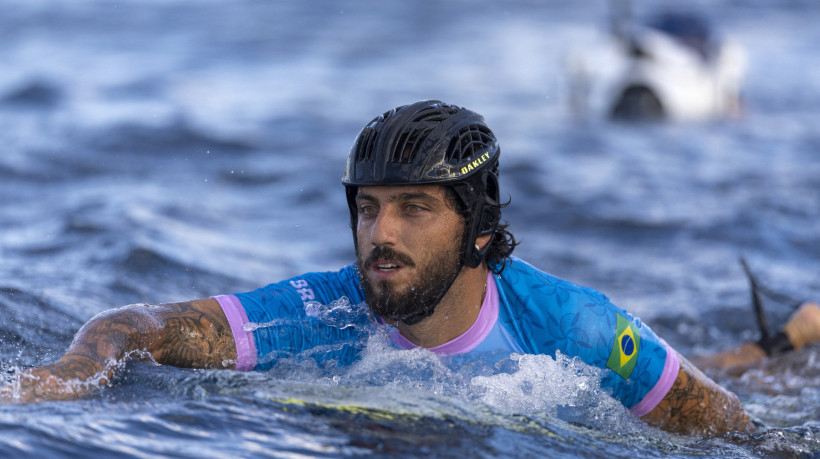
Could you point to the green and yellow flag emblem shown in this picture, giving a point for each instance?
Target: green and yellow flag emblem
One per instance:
(625, 349)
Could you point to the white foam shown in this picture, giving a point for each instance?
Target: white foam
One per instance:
(339, 313)
(537, 386)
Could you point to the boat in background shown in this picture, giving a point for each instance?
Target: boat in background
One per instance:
(673, 67)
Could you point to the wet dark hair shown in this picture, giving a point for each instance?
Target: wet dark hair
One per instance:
(501, 248)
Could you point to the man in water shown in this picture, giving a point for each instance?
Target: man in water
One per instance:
(434, 263)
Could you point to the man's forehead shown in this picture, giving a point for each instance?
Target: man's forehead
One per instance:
(397, 192)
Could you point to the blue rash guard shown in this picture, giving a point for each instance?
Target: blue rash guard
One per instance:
(524, 310)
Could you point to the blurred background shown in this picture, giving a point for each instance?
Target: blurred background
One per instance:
(158, 151)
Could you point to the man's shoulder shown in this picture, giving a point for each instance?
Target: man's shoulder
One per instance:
(344, 278)
(318, 285)
(527, 280)
(345, 274)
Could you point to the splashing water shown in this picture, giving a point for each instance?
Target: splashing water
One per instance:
(533, 385)
(418, 380)
(19, 385)
(339, 313)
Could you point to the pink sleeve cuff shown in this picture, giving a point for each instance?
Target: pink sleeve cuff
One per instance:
(245, 344)
(667, 379)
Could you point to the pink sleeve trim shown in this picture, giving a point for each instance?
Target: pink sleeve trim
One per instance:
(667, 379)
(245, 344)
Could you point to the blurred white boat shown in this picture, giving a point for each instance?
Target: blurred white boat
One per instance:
(673, 68)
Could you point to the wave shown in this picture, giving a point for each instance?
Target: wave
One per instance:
(34, 93)
(174, 139)
(158, 410)
(32, 329)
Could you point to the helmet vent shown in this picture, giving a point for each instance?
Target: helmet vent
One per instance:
(366, 143)
(468, 141)
(409, 145)
(364, 147)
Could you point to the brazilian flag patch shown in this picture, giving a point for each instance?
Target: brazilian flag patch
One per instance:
(625, 349)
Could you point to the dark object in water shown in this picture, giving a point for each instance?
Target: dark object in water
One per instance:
(772, 344)
(638, 103)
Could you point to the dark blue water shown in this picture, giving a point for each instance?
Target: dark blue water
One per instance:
(164, 151)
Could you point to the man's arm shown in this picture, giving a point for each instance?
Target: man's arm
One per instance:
(802, 328)
(191, 334)
(696, 405)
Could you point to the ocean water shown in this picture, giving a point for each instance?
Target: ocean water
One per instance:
(164, 151)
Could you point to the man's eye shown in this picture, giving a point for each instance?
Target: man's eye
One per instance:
(367, 209)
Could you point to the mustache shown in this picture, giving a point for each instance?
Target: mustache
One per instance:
(386, 253)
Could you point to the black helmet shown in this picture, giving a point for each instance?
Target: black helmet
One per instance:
(430, 142)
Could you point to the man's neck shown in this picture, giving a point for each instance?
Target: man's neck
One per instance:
(456, 312)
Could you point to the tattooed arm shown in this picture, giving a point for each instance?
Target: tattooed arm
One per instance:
(696, 405)
(192, 334)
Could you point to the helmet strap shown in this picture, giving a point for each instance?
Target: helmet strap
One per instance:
(480, 219)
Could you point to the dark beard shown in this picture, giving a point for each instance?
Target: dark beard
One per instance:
(415, 301)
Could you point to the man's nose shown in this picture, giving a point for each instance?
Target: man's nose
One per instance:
(385, 229)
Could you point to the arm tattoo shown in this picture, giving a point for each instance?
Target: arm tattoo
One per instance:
(195, 336)
(190, 334)
(78, 365)
(697, 405)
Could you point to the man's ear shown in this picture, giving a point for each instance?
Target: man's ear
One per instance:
(482, 241)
